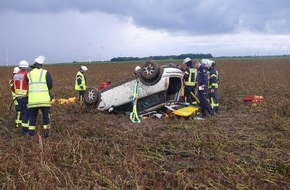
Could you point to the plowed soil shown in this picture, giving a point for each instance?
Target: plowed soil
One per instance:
(243, 147)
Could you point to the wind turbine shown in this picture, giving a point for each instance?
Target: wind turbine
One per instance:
(90, 52)
(6, 57)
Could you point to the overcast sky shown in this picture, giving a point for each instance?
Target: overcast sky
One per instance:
(83, 30)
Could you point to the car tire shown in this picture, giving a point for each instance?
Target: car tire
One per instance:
(91, 96)
(150, 70)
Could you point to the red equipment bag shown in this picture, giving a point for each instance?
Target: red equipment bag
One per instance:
(253, 99)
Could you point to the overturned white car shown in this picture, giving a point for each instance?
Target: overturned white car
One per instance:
(157, 85)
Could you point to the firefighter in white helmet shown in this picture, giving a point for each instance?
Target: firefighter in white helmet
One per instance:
(20, 89)
(39, 97)
(213, 85)
(202, 82)
(81, 83)
(189, 78)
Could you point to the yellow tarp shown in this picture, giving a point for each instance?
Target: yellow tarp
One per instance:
(65, 101)
(186, 111)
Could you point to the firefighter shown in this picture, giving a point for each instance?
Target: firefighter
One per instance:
(213, 86)
(39, 84)
(20, 88)
(190, 76)
(202, 81)
(81, 83)
(17, 119)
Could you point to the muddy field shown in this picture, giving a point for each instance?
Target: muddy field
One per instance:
(243, 147)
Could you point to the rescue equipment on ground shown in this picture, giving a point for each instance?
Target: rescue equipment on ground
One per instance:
(195, 97)
(72, 100)
(134, 114)
(182, 110)
(253, 99)
(186, 111)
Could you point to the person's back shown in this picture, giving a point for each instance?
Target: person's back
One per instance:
(20, 90)
(38, 89)
(39, 98)
(190, 79)
(20, 86)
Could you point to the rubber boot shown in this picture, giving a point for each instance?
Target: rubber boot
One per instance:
(24, 130)
(31, 132)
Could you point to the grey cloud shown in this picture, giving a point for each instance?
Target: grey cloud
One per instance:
(187, 16)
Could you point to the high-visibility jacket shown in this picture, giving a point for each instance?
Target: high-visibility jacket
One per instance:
(38, 93)
(190, 79)
(20, 83)
(82, 85)
(213, 78)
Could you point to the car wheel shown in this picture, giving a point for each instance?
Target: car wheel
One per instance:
(91, 96)
(150, 70)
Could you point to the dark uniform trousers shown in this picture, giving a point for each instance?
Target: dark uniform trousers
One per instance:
(33, 112)
(204, 103)
(213, 98)
(22, 113)
(188, 95)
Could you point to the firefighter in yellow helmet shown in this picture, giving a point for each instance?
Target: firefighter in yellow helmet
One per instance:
(81, 83)
(40, 83)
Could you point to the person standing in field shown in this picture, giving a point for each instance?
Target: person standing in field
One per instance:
(190, 76)
(213, 86)
(17, 119)
(20, 89)
(39, 83)
(202, 81)
(81, 83)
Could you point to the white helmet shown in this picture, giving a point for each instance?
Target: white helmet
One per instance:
(39, 59)
(84, 68)
(137, 69)
(204, 61)
(186, 60)
(16, 70)
(23, 64)
(208, 64)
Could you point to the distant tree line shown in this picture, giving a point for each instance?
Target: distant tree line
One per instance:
(160, 57)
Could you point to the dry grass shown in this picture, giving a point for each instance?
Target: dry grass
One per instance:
(242, 148)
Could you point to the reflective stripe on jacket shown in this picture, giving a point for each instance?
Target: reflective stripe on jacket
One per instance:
(192, 74)
(38, 93)
(213, 78)
(20, 83)
(82, 85)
